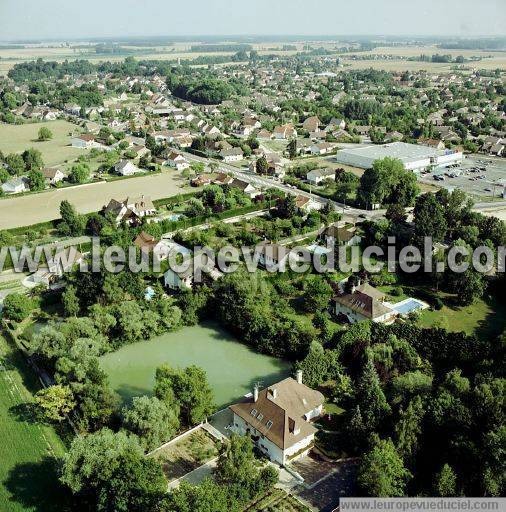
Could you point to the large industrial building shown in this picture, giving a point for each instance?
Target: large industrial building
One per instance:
(415, 158)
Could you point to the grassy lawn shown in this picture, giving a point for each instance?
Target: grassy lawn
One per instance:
(17, 138)
(485, 318)
(391, 297)
(188, 454)
(28, 450)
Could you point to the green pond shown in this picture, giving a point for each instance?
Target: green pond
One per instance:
(232, 368)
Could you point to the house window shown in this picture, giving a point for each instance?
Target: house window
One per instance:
(260, 417)
(253, 412)
(269, 424)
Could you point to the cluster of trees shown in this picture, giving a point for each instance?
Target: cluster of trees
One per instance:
(205, 90)
(387, 182)
(108, 471)
(447, 218)
(249, 306)
(40, 70)
(424, 407)
(28, 163)
(216, 199)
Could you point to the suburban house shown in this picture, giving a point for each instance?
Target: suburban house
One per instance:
(232, 155)
(285, 131)
(131, 210)
(322, 148)
(126, 168)
(63, 261)
(311, 124)
(271, 255)
(306, 204)
(362, 302)
(278, 418)
(84, 141)
(15, 186)
(245, 187)
(336, 124)
(119, 211)
(223, 179)
(177, 161)
(141, 205)
(52, 175)
(341, 235)
(184, 279)
(316, 176)
(432, 143)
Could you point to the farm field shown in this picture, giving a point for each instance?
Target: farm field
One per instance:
(11, 56)
(232, 368)
(17, 138)
(27, 450)
(41, 207)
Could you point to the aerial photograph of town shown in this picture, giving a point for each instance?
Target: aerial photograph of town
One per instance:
(252, 256)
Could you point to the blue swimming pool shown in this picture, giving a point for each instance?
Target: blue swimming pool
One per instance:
(408, 305)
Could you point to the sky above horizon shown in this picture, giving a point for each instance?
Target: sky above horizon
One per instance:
(65, 19)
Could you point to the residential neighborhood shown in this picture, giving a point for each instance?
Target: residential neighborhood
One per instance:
(259, 272)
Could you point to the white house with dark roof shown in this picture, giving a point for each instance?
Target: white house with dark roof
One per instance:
(362, 302)
(278, 418)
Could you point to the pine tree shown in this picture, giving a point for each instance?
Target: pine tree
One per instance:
(370, 397)
(382, 472)
(446, 482)
(408, 429)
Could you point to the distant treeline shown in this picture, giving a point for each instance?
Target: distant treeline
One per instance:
(476, 44)
(216, 48)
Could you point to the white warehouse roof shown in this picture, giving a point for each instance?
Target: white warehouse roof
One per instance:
(412, 156)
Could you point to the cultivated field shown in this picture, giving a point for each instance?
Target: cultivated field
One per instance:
(45, 206)
(27, 449)
(17, 138)
(10, 57)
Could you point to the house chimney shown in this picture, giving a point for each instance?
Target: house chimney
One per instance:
(299, 376)
(255, 393)
(274, 393)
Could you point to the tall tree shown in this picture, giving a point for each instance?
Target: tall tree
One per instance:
(381, 471)
(370, 397)
(445, 484)
(429, 219)
(151, 420)
(408, 429)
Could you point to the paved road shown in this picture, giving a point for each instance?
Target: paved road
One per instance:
(42, 207)
(265, 182)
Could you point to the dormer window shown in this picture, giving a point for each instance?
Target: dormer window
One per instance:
(269, 424)
(253, 412)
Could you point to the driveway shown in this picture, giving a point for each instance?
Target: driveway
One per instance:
(325, 482)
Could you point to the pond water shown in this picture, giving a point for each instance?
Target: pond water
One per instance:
(232, 368)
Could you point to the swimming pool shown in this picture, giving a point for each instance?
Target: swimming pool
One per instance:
(407, 306)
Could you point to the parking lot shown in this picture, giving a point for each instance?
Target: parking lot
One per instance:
(479, 175)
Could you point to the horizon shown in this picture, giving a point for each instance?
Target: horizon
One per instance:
(28, 20)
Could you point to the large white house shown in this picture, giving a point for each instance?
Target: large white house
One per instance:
(278, 418)
(362, 302)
